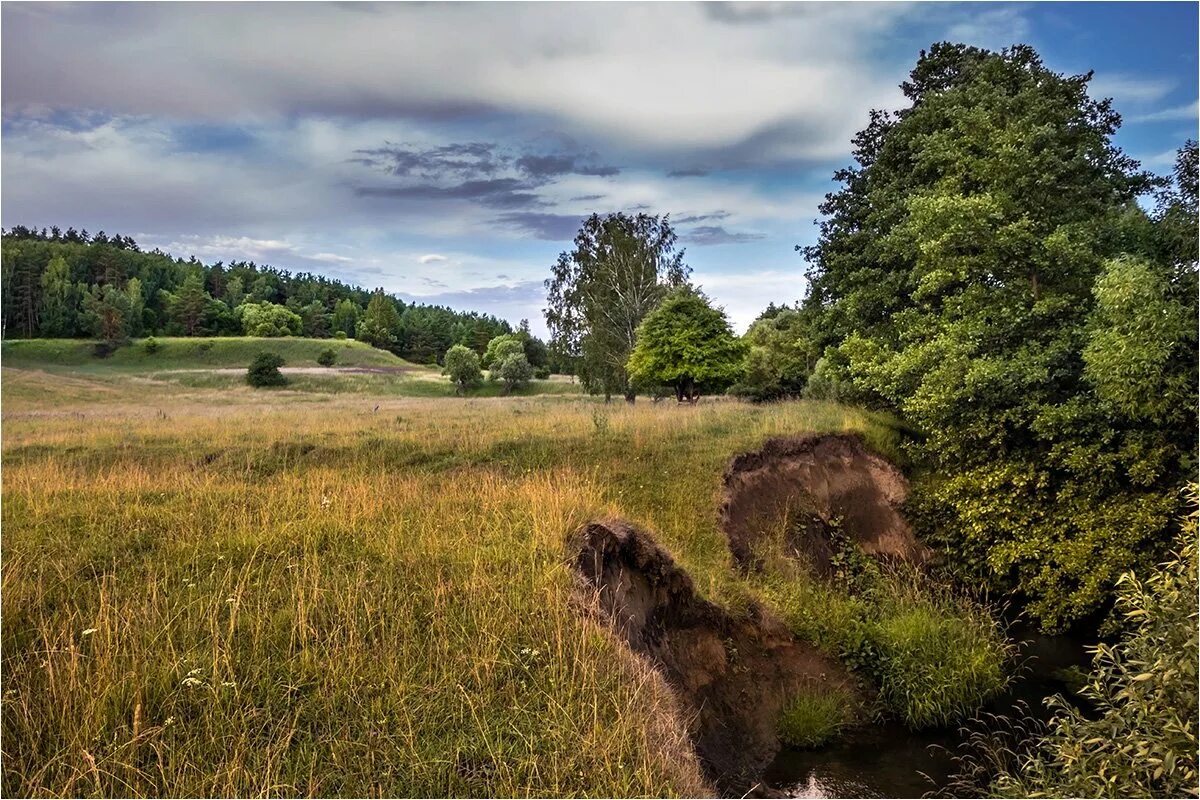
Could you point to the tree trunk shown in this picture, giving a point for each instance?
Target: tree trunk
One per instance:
(630, 396)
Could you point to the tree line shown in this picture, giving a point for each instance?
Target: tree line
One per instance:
(66, 284)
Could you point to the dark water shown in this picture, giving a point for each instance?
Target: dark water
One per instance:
(892, 761)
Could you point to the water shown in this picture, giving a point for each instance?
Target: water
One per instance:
(891, 761)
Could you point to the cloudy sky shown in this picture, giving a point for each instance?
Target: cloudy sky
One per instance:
(448, 151)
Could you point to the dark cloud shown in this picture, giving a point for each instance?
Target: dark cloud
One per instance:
(692, 220)
(694, 172)
(715, 234)
(494, 193)
(551, 227)
(587, 198)
(472, 160)
(543, 167)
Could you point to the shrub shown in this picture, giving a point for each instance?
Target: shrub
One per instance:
(462, 365)
(328, 357)
(542, 373)
(514, 371)
(1141, 740)
(339, 334)
(150, 346)
(500, 348)
(814, 717)
(264, 370)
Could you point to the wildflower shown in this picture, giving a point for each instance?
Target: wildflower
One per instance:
(190, 681)
(325, 502)
(88, 631)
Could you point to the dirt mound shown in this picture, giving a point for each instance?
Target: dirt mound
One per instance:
(804, 485)
(735, 673)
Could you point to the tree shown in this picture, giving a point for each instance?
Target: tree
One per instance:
(314, 322)
(137, 305)
(106, 313)
(781, 354)
(60, 300)
(380, 325)
(187, 306)
(264, 370)
(687, 344)
(327, 357)
(462, 366)
(268, 319)
(619, 270)
(500, 348)
(345, 317)
(515, 371)
(955, 279)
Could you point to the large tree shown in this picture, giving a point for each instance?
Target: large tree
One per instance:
(60, 299)
(687, 344)
(620, 268)
(963, 270)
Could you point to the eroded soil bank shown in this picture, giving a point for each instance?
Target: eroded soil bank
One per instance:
(804, 486)
(737, 672)
(733, 673)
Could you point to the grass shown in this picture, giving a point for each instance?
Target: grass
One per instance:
(192, 353)
(224, 591)
(815, 717)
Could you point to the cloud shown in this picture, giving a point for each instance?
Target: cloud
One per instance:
(542, 167)
(715, 234)
(551, 227)
(693, 172)
(691, 219)
(587, 198)
(1188, 113)
(473, 160)
(431, 258)
(493, 193)
(1125, 89)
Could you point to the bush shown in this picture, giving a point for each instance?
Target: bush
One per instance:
(150, 346)
(264, 370)
(515, 371)
(815, 717)
(500, 348)
(462, 365)
(1140, 740)
(339, 335)
(328, 357)
(542, 373)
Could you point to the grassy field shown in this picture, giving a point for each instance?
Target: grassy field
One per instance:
(181, 364)
(214, 590)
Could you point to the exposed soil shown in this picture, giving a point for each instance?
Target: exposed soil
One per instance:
(803, 485)
(735, 673)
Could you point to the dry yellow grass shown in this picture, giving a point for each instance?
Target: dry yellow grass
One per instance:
(226, 593)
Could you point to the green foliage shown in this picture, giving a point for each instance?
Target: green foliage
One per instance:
(268, 319)
(515, 371)
(780, 357)
(187, 307)
(150, 345)
(327, 357)
(501, 348)
(619, 270)
(264, 370)
(462, 366)
(380, 325)
(106, 311)
(1140, 738)
(686, 343)
(345, 317)
(60, 300)
(966, 276)
(814, 717)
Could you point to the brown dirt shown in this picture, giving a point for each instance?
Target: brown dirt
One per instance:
(803, 485)
(735, 673)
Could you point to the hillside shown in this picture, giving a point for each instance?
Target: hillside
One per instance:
(193, 353)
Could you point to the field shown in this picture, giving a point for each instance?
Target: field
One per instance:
(215, 590)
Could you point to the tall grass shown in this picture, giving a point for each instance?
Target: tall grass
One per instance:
(221, 593)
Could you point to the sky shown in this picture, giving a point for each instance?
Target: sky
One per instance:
(448, 151)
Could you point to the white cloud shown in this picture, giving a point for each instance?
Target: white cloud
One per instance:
(431, 258)
(1189, 112)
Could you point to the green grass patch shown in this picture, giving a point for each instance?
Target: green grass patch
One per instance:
(815, 717)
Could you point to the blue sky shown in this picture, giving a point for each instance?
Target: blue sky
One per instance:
(447, 151)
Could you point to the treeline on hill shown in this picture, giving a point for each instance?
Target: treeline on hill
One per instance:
(71, 284)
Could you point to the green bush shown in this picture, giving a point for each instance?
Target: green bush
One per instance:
(339, 335)
(1140, 738)
(327, 357)
(542, 373)
(814, 717)
(150, 346)
(462, 366)
(264, 370)
(515, 371)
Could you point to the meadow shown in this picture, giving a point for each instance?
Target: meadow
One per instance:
(214, 590)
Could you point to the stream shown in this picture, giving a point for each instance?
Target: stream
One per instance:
(890, 760)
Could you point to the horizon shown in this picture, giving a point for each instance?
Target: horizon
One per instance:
(447, 153)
